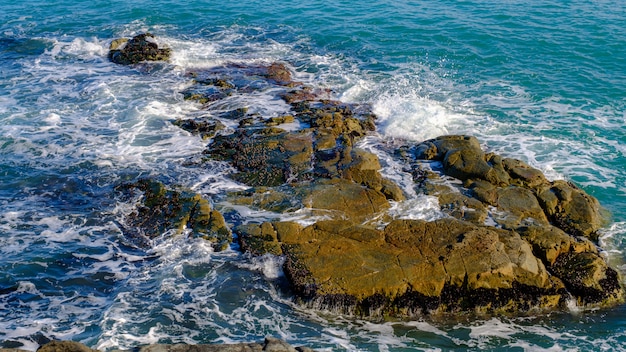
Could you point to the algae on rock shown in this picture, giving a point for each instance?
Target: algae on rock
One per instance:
(161, 210)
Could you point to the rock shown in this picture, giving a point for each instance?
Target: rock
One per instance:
(64, 346)
(339, 198)
(275, 121)
(577, 262)
(162, 209)
(140, 48)
(588, 277)
(520, 206)
(571, 209)
(522, 174)
(410, 267)
(553, 217)
(550, 242)
(265, 157)
(270, 344)
(279, 73)
(461, 206)
(521, 192)
(206, 128)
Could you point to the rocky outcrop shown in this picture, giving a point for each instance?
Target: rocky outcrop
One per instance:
(510, 240)
(512, 186)
(270, 344)
(306, 159)
(143, 47)
(510, 244)
(162, 210)
(556, 218)
(409, 268)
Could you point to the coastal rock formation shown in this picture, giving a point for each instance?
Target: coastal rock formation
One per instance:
(509, 240)
(556, 218)
(142, 47)
(408, 268)
(514, 241)
(162, 210)
(270, 344)
(512, 186)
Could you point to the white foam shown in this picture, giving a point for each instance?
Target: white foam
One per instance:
(414, 118)
(391, 168)
(270, 265)
(420, 207)
(613, 241)
(493, 328)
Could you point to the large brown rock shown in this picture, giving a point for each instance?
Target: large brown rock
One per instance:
(409, 267)
(513, 187)
(571, 209)
(268, 157)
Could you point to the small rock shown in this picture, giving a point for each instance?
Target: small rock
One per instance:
(140, 48)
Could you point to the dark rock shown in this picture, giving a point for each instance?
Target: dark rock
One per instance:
(140, 48)
(162, 209)
(588, 277)
(206, 128)
(205, 95)
(64, 346)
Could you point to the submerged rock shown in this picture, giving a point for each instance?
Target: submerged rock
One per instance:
(161, 210)
(142, 47)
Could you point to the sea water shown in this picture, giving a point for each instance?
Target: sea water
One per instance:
(542, 81)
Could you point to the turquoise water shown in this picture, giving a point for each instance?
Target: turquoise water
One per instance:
(543, 81)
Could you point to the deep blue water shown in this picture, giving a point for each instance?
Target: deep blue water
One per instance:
(543, 81)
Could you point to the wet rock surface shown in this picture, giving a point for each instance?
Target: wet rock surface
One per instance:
(143, 47)
(163, 210)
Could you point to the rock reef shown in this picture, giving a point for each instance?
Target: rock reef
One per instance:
(509, 241)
